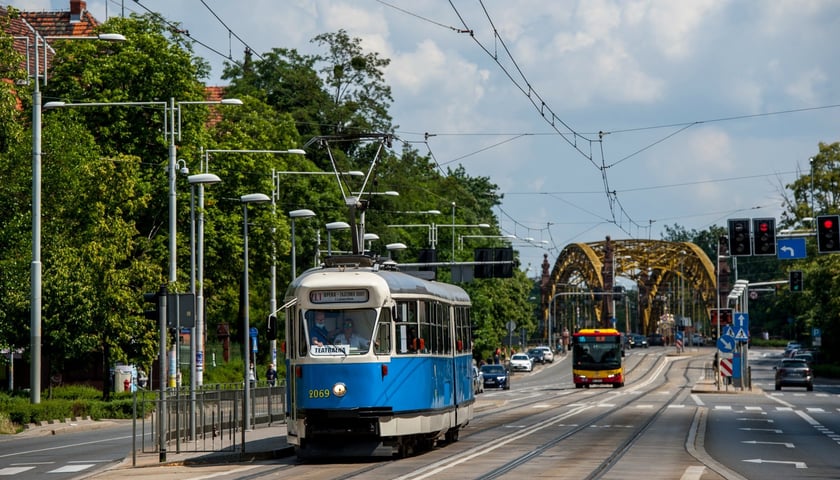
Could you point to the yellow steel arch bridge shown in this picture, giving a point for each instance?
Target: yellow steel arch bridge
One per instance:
(655, 266)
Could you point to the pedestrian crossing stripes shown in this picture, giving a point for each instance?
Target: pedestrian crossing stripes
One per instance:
(69, 467)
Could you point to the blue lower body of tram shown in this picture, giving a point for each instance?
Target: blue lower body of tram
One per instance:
(396, 406)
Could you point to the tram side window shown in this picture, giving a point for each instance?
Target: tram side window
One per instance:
(382, 341)
(463, 340)
(445, 328)
(408, 340)
(425, 327)
(301, 336)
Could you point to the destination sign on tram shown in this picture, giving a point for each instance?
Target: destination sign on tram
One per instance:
(338, 296)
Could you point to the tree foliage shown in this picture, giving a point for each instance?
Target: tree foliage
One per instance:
(105, 186)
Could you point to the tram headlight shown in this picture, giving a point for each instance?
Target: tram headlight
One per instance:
(339, 389)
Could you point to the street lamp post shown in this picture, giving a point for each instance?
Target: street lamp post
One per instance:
(35, 267)
(454, 226)
(273, 288)
(197, 361)
(302, 213)
(334, 226)
(501, 237)
(246, 342)
(173, 130)
(369, 238)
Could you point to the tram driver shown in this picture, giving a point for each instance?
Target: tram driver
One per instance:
(320, 334)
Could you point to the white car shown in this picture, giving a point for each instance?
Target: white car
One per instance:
(521, 361)
(548, 355)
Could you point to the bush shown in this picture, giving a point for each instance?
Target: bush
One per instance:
(66, 402)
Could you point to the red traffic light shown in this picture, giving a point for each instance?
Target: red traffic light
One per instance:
(763, 227)
(827, 223)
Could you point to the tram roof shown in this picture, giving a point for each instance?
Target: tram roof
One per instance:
(399, 283)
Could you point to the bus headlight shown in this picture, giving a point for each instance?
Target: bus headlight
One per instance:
(339, 389)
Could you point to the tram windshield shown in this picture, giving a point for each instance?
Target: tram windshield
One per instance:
(339, 332)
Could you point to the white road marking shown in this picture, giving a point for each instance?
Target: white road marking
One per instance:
(693, 473)
(14, 470)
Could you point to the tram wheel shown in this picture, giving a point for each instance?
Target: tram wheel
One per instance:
(452, 435)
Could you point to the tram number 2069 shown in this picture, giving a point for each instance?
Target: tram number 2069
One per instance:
(319, 393)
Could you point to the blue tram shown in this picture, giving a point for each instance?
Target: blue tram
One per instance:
(377, 361)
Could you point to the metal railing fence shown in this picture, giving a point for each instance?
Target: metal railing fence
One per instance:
(209, 422)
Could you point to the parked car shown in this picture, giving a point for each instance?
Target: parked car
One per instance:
(637, 340)
(698, 339)
(548, 355)
(655, 339)
(495, 376)
(521, 362)
(808, 357)
(792, 347)
(478, 380)
(794, 373)
(537, 356)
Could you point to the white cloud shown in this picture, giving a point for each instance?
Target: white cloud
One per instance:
(804, 88)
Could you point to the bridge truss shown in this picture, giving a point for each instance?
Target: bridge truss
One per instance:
(655, 266)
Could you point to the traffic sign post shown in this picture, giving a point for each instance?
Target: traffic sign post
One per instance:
(741, 326)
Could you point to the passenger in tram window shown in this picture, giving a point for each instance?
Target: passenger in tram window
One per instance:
(413, 342)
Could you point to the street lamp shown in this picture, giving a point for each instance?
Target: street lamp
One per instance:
(172, 129)
(197, 361)
(369, 238)
(393, 247)
(246, 340)
(302, 213)
(272, 306)
(432, 231)
(502, 237)
(334, 226)
(35, 267)
(453, 225)
(390, 193)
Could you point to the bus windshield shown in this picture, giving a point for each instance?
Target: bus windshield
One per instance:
(339, 332)
(596, 355)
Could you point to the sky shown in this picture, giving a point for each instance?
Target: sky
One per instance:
(595, 118)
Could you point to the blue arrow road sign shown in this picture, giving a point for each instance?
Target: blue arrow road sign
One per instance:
(741, 326)
(791, 248)
(726, 343)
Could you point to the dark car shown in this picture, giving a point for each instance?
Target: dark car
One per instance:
(495, 376)
(638, 340)
(794, 373)
(537, 356)
(655, 339)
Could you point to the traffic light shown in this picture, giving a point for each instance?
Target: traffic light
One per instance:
(795, 280)
(271, 328)
(739, 237)
(154, 313)
(828, 233)
(764, 236)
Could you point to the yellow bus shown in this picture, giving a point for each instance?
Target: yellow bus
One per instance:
(596, 358)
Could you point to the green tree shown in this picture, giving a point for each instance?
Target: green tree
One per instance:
(15, 194)
(818, 305)
(356, 83)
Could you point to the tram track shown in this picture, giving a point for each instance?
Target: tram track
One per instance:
(609, 460)
(507, 432)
